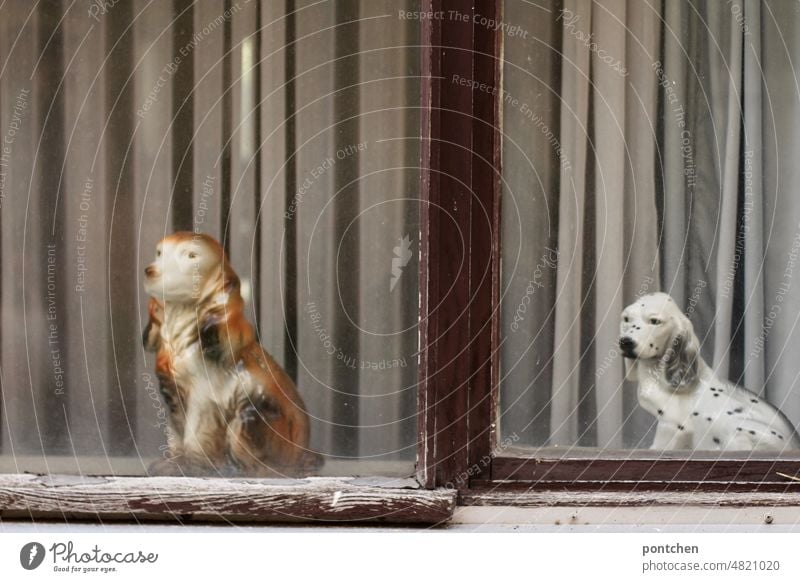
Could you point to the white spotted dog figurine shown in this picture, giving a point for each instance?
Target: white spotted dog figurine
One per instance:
(695, 409)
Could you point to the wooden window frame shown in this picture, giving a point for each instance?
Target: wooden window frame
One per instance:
(189, 499)
(460, 414)
(458, 368)
(459, 286)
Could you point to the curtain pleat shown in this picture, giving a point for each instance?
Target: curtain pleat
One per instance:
(608, 149)
(725, 99)
(641, 259)
(21, 288)
(574, 120)
(672, 76)
(753, 200)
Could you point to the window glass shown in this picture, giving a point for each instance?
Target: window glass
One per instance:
(650, 227)
(289, 136)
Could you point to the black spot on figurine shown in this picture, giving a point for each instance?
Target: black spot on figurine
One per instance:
(708, 418)
(715, 395)
(752, 432)
(729, 413)
(754, 400)
(738, 410)
(149, 327)
(660, 412)
(716, 440)
(739, 428)
(210, 342)
(695, 413)
(168, 394)
(680, 427)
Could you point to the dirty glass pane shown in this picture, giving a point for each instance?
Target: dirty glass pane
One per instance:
(650, 226)
(291, 139)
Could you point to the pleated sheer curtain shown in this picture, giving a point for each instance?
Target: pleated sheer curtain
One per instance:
(656, 150)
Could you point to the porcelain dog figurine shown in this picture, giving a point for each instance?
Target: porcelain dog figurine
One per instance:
(233, 409)
(694, 408)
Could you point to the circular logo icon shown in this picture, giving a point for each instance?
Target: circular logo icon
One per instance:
(31, 555)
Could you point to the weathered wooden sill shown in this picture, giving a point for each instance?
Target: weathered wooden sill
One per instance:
(185, 499)
(324, 500)
(646, 467)
(500, 496)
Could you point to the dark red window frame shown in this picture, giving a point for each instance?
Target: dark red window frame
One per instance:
(459, 272)
(460, 293)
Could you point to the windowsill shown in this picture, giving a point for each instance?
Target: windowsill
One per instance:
(590, 467)
(575, 452)
(370, 501)
(187, 499)
(600, 497)
(588, 510)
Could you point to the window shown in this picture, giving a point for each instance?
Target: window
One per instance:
(647, 147)
(492, 410)
(352, 157)
(289, 131)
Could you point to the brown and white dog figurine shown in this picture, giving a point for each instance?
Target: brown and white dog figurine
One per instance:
(233, 409)
(695, 409)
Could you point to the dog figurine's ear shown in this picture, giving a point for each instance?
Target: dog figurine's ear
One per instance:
(680, 362)
(151, 338)
(223, 329)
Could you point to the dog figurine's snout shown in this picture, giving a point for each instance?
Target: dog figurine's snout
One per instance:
(150, 271)
(627, 345)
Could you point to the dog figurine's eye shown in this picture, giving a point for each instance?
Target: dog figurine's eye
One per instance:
(158, 252)
(626, 319)
(192, 255)
(655, 321)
